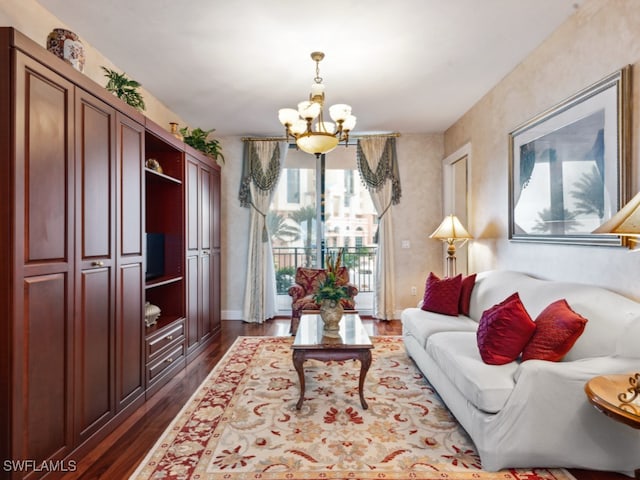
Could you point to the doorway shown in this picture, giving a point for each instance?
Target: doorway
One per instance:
(455, 178)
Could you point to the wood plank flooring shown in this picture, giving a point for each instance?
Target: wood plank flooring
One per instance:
(117, 456)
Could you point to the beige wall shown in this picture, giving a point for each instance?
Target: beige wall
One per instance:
(601, 38)
(31, 19)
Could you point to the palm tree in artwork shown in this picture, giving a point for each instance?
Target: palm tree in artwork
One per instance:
(548, 222)
(589, 193)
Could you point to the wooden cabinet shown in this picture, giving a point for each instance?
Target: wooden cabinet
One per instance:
(203, 271)
(38, 273)
(78, 209)
(165, 233)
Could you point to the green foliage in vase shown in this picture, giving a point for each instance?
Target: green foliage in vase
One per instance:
(124, 88)
(197, 138)
(330, 289)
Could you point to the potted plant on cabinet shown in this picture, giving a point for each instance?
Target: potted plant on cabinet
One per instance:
(198, 139)
(124, 88)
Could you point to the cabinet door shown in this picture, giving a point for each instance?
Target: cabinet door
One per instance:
(206, 242)
(40, 415)
(129, 323)
(203, 195)
(215, 250)
(95, 263)
(193, 253)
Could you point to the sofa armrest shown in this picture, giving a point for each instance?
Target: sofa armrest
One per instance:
(296, 291)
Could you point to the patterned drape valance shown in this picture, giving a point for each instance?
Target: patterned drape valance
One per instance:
(260, 167)
(375, 172)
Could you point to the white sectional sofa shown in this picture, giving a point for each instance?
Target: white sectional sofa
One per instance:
(533, 413)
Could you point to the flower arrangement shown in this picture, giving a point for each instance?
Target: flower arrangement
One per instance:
(329, 288)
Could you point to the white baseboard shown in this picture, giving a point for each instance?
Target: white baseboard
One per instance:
(231, 314)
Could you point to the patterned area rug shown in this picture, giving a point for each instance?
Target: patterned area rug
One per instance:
(242, 423)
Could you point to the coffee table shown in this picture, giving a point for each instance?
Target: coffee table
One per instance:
(353, 343)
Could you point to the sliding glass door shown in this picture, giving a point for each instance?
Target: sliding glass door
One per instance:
(322, 206)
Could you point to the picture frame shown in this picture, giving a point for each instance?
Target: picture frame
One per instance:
(568, 166)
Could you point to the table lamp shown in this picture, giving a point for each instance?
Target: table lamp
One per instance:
(451, 231)
(626, 223)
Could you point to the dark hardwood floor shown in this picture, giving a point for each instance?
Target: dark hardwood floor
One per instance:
(118, 455)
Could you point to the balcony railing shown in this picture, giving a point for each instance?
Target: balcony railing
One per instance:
(361, 262)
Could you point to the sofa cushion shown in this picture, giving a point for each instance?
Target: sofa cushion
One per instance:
(466, 289)
(421, 325)
(442, 295)
(486, 386)
(504, 330)
(557, 329)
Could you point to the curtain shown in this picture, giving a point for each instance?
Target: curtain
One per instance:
(378, 166)
(261, 166)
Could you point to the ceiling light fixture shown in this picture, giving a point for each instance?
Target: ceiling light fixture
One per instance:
(324, 136)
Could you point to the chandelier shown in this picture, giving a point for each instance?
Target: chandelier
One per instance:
(324, 136)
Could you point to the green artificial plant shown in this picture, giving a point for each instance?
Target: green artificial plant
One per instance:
(197, 138)
(124, 88)
(329, 289)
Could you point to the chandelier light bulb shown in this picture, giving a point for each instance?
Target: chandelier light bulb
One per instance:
(309, 110)
(339, 112)
(349, 123)
(327, 127)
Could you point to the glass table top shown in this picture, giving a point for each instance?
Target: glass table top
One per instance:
(352, 333)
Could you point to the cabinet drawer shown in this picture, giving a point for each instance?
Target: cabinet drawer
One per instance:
(156, 343)
(173, 357)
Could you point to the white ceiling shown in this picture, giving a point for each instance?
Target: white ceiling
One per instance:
(411, 66)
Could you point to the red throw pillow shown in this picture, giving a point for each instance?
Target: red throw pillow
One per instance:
(504, 330)
(557, 329)
(442, 296)
(465, 294)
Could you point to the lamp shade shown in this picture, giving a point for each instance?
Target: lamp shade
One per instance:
(450, 228)
(626, 222)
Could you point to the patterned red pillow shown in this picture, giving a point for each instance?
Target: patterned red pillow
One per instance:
(504, 330)
(557, 329)
(465, 294)
(442, 295)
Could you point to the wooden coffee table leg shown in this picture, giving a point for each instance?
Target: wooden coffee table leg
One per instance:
(365, 363)
(298, 363)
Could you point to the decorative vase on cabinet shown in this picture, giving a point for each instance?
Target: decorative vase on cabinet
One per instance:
(67, 45)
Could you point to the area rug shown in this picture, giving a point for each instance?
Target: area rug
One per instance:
(242, 423)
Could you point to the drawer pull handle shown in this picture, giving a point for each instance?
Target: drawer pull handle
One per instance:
(97, 264)
(169, 360)
(169, 337)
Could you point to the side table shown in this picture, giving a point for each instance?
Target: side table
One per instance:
(603, 393)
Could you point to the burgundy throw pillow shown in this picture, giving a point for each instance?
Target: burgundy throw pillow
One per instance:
(468, 283)
(442, 295)
(557, 329)
(504, 330)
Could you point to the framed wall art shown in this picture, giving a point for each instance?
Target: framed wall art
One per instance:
(568, 166)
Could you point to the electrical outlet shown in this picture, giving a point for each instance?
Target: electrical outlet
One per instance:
(414, 292)
(406, 244)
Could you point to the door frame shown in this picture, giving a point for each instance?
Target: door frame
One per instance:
(448, 197)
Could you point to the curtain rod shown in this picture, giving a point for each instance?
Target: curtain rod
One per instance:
(284, 139)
